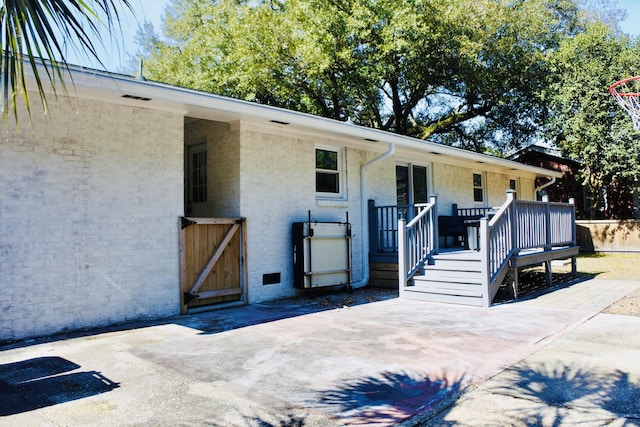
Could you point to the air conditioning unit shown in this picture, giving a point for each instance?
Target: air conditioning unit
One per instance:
(321, 253)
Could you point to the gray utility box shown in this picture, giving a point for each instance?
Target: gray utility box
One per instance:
(321, 254)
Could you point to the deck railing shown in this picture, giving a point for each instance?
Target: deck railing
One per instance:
(418, 239)
(518, 225)
(383, 226)
(497, 239)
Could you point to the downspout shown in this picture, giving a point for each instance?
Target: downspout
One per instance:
(364, 215)
(543, 186)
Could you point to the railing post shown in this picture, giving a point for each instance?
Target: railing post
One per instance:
(572, 202)
(434, 237)
(547, 222)
(574, 259)
(485, 260)
(374, 238)
(402, 256)
(513, 218)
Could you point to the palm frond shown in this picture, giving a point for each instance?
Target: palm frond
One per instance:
(37, 30)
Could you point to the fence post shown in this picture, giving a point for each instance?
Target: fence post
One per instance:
(402, 255)
(434, 237)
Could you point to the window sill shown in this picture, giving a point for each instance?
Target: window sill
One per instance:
(340, 203)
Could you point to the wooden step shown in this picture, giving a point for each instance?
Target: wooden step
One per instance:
(450, 273)
(383, 275)
(415, 293)
(449, 277)
(453, 288)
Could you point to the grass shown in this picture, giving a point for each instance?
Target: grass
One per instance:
(610, 266)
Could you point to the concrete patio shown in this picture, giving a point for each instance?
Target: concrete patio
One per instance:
(550, 360)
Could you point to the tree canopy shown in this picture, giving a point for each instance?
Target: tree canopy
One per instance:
(586, 122)
(464, 72)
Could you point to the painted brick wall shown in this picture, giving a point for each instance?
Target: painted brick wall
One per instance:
(453, 184)
(88, 221)
(278, 188)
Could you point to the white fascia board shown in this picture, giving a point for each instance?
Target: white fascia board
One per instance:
(193, 103)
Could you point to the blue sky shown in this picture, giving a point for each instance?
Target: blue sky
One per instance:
(116, 52)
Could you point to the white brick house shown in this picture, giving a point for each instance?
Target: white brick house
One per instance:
(92, 193)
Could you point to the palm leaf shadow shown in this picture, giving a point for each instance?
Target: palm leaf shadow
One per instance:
(564, 388)
(390, 397)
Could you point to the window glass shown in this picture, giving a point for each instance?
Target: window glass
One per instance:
(419, 184)
(198, 181)
(327, 182)
(512, 184)
(326, 159)
(402, 185)
(328, 171)
(478, 191)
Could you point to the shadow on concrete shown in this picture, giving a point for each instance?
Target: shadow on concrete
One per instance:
(287, 420)
(557, 394)
(45, 381)
(218, 320)
(533, 284)
(313, 301)
(390, 397)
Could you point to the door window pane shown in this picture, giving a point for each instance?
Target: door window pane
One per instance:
(419, 184)
(402, 185)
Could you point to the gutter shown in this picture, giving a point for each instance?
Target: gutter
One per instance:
(543, 186)
(364, 215)
(96, 84)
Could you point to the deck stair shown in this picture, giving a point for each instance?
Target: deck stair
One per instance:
(451, 277)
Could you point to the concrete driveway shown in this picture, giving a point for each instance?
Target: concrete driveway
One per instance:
(549, 360)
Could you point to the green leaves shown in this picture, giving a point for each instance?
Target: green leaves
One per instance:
(584, 119)
(33, 29)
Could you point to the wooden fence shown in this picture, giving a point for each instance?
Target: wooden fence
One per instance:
(608, 235)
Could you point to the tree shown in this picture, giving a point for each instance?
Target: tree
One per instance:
(585, 121)
(465, 73)
(35, 29)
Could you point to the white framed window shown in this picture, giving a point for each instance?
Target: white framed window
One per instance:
(478, 188)
(330, 173)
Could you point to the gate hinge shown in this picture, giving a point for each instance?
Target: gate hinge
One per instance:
(187, 297)
(186, 222)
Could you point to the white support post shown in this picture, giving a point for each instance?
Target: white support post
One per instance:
(484, 260)
(434, 237)
(513, 220)
(547, 226)
(574, 259)
(402, 256)
(511, 196)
